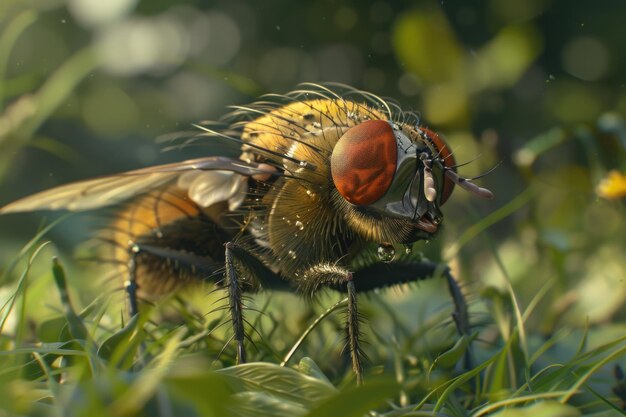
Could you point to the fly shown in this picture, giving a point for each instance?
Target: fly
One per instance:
(324, 172)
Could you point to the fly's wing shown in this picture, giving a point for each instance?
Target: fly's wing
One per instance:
(207, 180)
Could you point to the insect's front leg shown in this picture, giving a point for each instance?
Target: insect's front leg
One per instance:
(381, 275)
(328, 275)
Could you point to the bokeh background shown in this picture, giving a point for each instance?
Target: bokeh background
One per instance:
(535, 88)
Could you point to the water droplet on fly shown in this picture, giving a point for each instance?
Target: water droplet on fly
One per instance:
(299, 225)
(386, 252)
(408, 249)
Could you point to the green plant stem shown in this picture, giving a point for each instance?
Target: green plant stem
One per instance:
(310, 329)
(10, 35)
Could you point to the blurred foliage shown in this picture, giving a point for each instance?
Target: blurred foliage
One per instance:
(533, 87)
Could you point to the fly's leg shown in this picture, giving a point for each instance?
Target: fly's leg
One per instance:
(167, 262)
(235, 302)
(460, 314)
(157, 259)
(383, 275)
(131, 283)
(327, 275)
(352, 330)
(259, 276)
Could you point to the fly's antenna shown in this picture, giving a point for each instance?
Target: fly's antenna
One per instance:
(466, 184)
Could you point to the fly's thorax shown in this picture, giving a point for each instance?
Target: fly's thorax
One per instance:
(303, 227)
(278, 129)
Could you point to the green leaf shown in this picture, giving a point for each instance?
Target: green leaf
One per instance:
(356, 401)
(255, 404)
(120, 348)
(542, 409)
(76, 326)
(54, 330)
(281, 382)
(206, 391)
(308, 367)
(453, 355)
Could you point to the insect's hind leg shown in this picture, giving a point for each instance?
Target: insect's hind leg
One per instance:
(130, 285)
(154, 269)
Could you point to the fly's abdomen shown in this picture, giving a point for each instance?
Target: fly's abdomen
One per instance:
(172, 241)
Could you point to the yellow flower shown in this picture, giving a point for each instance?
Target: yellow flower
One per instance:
(613, 186)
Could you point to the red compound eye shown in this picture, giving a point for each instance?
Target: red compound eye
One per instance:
(443, 150)
(364, 161)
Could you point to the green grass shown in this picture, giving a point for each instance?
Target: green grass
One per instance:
(175, 360)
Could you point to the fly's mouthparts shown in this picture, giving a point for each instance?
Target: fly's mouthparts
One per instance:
(427, 225)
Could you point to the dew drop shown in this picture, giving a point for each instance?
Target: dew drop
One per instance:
(408, 249)
(386, 252)
(292, 254)
(299, 225)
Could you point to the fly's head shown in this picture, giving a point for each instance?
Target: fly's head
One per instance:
(391, 180)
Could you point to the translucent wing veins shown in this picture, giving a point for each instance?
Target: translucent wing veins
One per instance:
(112, 189)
